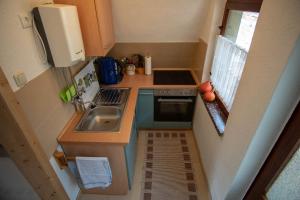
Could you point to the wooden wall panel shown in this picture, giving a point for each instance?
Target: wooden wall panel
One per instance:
(19, 140)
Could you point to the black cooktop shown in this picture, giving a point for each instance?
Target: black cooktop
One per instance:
(173, 77)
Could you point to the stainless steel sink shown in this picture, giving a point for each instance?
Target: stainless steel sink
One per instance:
(103, 117)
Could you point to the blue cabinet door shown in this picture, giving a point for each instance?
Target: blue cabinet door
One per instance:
(145, 109)
(130, 153)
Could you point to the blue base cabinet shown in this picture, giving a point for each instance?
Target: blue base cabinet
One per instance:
(130, 153)
(145, 109)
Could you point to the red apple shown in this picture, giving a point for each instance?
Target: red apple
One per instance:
(209, 96)
(205, 87)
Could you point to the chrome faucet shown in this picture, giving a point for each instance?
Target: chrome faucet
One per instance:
(78, 102)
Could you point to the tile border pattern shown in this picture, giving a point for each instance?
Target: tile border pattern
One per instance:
(149, 162)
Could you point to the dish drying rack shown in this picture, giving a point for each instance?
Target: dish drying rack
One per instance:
(110, 96)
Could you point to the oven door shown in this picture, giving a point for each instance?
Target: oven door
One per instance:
(174, 108)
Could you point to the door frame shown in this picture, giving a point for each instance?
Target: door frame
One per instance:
(285, 147)
(20, 142)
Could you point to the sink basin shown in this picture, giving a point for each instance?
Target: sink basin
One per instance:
(105, 113)
(101, 118)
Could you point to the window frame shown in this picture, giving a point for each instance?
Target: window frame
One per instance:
(283, 150)
(240, 5)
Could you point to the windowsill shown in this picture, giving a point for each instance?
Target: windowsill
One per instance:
(216, 114)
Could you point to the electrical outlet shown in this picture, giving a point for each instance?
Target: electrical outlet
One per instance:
(25, 19)
(20, 79)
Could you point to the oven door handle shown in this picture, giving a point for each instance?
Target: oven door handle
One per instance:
(176, 100)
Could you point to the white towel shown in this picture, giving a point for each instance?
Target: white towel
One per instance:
(94, 172)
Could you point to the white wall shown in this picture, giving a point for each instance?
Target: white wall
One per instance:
(159, 20)
(210, 31)
(67, 180)
(18, 50)
(284, 101)
(274, 39)
(209, 143)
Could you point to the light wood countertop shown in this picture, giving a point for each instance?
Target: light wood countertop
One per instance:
(134, 82)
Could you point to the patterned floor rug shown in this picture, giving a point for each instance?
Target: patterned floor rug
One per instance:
(169, 162)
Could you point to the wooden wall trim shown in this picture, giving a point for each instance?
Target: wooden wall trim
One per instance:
(286, 145)
(19, 140)
(244, 5)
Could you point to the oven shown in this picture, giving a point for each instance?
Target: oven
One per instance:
(174, 105)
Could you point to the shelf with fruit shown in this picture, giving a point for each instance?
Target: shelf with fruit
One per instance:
(214, 106)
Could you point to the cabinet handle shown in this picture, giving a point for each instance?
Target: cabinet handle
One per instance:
(176, 100)
(146, 93)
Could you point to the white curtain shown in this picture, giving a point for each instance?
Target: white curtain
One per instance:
(228, 63)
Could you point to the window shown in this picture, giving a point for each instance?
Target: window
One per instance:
(240, 27)
(232, 47)
(228, 64)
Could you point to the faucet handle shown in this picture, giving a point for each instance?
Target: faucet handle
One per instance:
(80, 91)
(78, 103)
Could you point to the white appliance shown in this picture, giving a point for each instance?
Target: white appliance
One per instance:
(59, 31)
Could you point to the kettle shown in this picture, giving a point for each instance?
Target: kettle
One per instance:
(108, 70)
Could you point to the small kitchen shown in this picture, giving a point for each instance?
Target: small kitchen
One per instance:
(103, 96)
(118, 99)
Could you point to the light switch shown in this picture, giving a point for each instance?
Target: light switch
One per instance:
(25, 19)
(20, 79)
